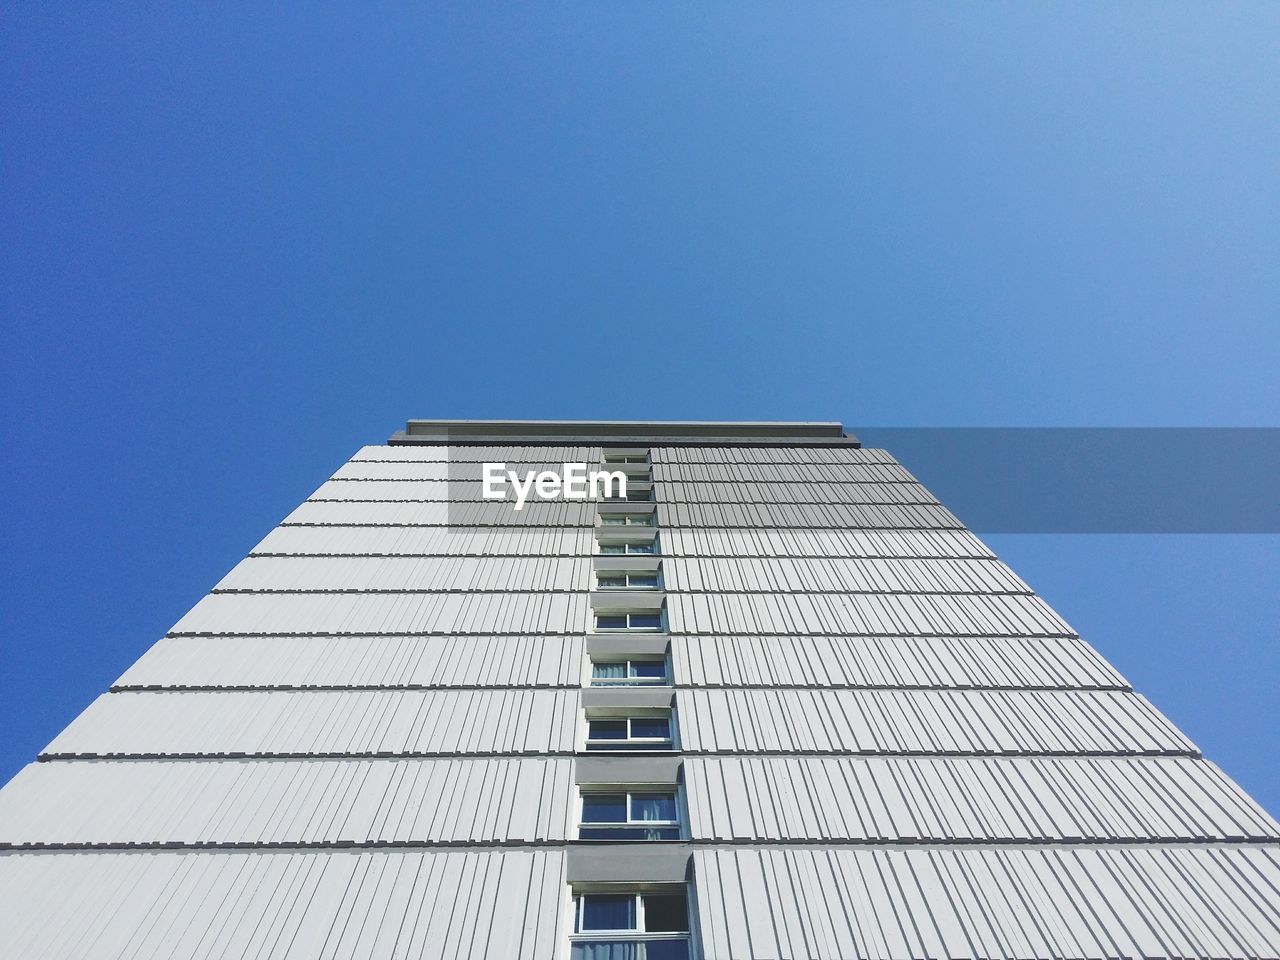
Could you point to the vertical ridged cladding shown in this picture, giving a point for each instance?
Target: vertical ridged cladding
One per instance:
(899, 751)
(362, 741)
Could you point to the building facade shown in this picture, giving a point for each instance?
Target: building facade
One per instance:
(775, 702)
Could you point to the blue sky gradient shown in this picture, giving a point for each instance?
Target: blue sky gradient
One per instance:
(240, 242)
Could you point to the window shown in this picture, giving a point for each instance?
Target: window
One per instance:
(627, 579)
(630, 926)
(626, 458)
(628, 673)
(617, 549)
(629, 816)
(631, 495)
(629, 621)
(629, 733)
(626, 519)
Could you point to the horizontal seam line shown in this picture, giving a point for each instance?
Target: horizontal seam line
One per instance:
(1050, 842)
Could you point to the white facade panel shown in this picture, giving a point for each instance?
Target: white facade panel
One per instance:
(313, 801)
(369, 613)
(820, 515)
(816, 474)
(528, 574)
(838, 575)
(472, 453)
(808, 661)
(277, 905)
(436, 491)
(328, 722)
(863, 614)
(753, 492)
(428, 541)
(541, 513)
(352, 661)
(974, 799)
(895, 904)
(788, 454)
(922, 721)
(764, 542)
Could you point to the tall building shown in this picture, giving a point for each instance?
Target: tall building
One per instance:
(774, 702)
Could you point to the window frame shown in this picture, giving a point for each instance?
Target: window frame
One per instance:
(625, 458)
(628, 627)
(630, 680)
(642, 548)
(636, 934)
(628, 519)
(626, 575)
(629, 743)
(628, 792)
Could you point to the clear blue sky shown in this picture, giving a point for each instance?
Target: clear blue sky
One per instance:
(239, 242)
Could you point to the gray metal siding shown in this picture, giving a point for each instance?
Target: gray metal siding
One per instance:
(984, 799)
(263, 802)
(323, 722)
(364, 741)
(360, 661)
(886, 904)
(923, 721)
(271, 905)
(889, 661)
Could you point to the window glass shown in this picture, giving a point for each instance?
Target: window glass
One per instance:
(616, 520)
(607, 729)
(649, 669)
(608, 671)
(653, 950)
(646, 620)
(612, 548)
(642, 580)
(650, 727)
(608, 911)
(611, 621)
(606, 808)
(639, 548)
(652, 806)
(611, 579)
(665, 913)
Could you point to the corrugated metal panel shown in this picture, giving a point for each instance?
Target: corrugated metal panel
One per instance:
(1036, 903)
(790, 493)
(806, 473)
(409, 573)
(424, 541)
(889, 661)
(336, 722)
(725, 454)
(364, 613)
(429, 454)
(438, 661)
(835, 575)
(459, 453)
(271, 905)
(390, 490)
(555, 573)
(922, 721)
(400, 470)
(290, 801)
(871, 614)
(960, 799)
(822, 543)
(889, 517)
(535, 514)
